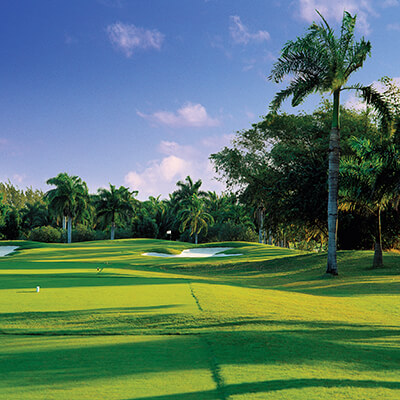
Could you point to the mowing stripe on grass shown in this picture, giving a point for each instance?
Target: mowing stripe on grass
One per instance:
(195, 297)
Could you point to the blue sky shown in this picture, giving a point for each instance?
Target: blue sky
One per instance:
(140, 93)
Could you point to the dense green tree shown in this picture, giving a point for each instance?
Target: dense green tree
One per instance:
(194, 216)
(114, 205)
(321, 62)
(3, 209)
(69, 199)
(186, 189)
(34, 215)
(162, 213)
(371, 182)
(11, 228)
(281, 163)
(18, 198)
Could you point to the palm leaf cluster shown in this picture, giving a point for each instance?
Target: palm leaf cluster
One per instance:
(114, 206)
(319, 61)
(70, 196)
(69, 199)
(371, 178)
(370, 182)
(194, 215)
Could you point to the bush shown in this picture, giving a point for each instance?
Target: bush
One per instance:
(145, 227)
(101, 235)
(121, 233)
(186, 237)
(46, 234)
(229, 232)
(82, 233)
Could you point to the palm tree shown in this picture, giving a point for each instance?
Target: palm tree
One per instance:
(195, 216)
(321, 62)
(162, 213)
(34, 215)
(69, 199)
(113, 205)
(371, 182)
(187, 189)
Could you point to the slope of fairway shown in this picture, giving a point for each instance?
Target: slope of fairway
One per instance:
(268, 324)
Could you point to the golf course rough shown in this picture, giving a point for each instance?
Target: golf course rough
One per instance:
(111, 323)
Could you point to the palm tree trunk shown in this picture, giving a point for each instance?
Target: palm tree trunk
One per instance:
(69, 229)
(333, 184)
(195, 238)
(378, 256)
(64, 222)
(112, 230)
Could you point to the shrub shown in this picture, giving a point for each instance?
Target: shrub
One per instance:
(229, 231)
(101, 235)
(46, 234)
(121, 233)
(83, 233)
(145, 227)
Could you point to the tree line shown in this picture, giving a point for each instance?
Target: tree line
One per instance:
(280, 167)
(67, 212)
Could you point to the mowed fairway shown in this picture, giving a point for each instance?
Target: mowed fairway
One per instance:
(265, 325)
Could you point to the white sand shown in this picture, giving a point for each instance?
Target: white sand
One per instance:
(197, 253)
(4, 250)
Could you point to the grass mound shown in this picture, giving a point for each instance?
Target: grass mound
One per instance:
(164, 250)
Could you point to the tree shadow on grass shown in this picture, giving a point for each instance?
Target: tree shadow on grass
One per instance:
(79, 313)
(305, 274)
(67, 280)
(277, 385)
(70, 359)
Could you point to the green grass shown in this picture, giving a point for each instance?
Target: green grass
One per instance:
(265, 325)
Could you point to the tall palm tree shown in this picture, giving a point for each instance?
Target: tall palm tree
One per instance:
(69, 199)
(162, 213)
(194, 215)
(371, 182)
(321, 62)
(114, 205)
(186, 189)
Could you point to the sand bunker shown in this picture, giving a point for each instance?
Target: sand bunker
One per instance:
(4, 250)
(197, 253)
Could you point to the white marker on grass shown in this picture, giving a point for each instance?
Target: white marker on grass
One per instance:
(37, 289)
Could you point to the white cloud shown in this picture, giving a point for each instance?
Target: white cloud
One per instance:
(217, 142)
(179, 161)
(390, 3)
(18, 178)
(68, 39)
(393, 27)
(250, 114)
(240, 33)
(159, 176)
(356, 103)
(334, 10)
(190, 115)
(128, 38)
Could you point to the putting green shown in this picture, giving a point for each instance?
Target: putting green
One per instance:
(265, 325)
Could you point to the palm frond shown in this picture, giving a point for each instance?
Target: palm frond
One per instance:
(356, 55)
(378, 103)
(347, 31)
